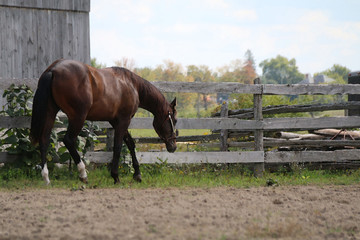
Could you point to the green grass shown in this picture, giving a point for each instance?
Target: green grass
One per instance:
(163, 175)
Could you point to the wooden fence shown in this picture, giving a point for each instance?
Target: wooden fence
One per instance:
(258, 125)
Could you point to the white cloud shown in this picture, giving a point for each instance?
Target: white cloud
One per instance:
(122, 11)
(315, 40)
(314, 18)
(136, 29)
(181, 28)
(230, 33)
(246, 14)
(216, 3)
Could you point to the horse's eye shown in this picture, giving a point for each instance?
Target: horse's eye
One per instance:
(177, 133)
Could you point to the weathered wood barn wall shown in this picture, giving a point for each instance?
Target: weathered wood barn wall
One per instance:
(34, 33)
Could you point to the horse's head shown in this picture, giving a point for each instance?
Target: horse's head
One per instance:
(165, 126)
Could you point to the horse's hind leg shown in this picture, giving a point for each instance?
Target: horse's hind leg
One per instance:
(44, 140)
(74, 128)
(131, 146)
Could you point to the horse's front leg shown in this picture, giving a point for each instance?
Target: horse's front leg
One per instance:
(120, 129)
(130, 143)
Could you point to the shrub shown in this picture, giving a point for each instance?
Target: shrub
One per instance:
(17, 141)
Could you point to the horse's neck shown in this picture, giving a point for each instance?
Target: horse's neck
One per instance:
(151, 99)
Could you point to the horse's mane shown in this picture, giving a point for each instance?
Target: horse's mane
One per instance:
(145, 89)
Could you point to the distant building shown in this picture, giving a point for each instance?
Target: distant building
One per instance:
(308, 79)
(321, 78)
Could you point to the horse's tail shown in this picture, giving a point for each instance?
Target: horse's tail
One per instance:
(40, 105)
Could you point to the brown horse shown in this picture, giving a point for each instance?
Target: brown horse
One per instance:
(84, 93)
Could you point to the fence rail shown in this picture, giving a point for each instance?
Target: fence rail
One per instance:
(260, 125)
(268, 124)
(249, 112)
(228, 87)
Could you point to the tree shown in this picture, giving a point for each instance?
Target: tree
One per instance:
(95, 64)
(249, 72)
(337, 72)
(250, 60)
(125, 62)
(146, 73)
(172, 71)
(200, 73)
(242, 71)
(281, 70)
(236, 71)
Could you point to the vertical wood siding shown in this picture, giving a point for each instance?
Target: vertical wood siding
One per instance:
(34, 33)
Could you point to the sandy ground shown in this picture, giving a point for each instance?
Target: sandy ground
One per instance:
(299, 212)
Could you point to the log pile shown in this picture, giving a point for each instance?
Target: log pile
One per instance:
(322, 139)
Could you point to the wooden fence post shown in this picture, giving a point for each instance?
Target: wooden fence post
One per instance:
(110, 132)
(259, 168)
(224, 132)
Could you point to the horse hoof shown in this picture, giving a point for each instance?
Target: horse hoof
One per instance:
(137, 178)
(84, 180)
(116, 181)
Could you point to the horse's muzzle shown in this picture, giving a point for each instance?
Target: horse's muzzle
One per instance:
(171, 147)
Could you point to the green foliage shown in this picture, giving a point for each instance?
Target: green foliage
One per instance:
(242, 101)
(94, 63)
(338, 73)
(200, 73)
(147, 73)
(193, 104)
(17, 141)
(85, 140)
(280, 70)
(18, 99)
(274, 100)
(157, 168)
(237, 71)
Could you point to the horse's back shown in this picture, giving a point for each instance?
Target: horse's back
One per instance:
(97, 94)
(71, 88)
(114, 95)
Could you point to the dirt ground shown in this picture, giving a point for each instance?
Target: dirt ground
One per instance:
(295, 212)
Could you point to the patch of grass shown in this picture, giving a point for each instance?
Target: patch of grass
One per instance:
(163, 175)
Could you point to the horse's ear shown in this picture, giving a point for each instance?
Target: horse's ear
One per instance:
(173, 104)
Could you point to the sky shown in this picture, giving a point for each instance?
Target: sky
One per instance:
(317, 33)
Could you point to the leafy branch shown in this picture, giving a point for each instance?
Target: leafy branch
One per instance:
(17, 141)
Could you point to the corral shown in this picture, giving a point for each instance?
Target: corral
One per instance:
(288, 212)
(27, 49)
(227, 123)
